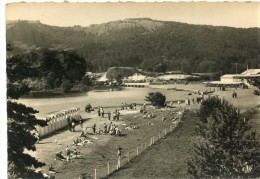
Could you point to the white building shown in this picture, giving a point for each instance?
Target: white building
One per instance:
(236, 79)
(230, 78)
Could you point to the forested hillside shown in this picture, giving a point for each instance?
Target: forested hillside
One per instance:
(145, 43)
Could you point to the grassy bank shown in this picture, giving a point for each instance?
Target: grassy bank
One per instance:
(167, 158)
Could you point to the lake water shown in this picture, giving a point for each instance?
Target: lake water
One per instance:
(102, 97)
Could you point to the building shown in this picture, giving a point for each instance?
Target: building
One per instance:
(234, 80)
(230, 78)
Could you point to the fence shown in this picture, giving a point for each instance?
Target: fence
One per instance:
(106, 169)
(57, 121)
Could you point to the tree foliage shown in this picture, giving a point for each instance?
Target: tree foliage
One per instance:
(156, 98)
(49, 68)
(21, 121)
(225, 146)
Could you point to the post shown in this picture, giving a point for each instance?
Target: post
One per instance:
(95, 173)
(151, 140)
(128, 157)
(137, 150)
(108, 168)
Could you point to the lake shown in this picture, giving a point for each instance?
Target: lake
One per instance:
(101, 97)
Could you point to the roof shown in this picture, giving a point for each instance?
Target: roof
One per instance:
(221, 83)
(103, 78)
(251, 72)
(228, 75)
(137, 76)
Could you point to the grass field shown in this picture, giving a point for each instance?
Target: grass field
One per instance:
(167, 158)
(103, 149)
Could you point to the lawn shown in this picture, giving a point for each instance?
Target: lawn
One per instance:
(103, 149)
(167, 158)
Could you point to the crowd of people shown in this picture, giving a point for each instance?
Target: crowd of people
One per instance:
(125, 106)
(110, 128)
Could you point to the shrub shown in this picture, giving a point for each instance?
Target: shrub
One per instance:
(157, 99)
(257, 92)
(66, 86)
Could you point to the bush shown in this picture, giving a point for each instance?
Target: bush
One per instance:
(66, 86)
(257, 92)
(157, 99)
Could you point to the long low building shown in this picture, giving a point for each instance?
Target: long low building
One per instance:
(236, 79)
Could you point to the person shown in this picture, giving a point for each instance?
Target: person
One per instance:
(179, 103)
(88, 108)
(69, 123)
(105, 128)
(76, 154)
(98, 111)
(78, 142)
(83, 134)
(103, 113)
(134, 105)
(119, 154)
(68, 153)
(81, 123)
(109, 115)
(100, 131)
(171, 103)
(52, 169)
(94, 128)
(59, 156)
(117, 115)
(163, 118)
(73, 124)
(117, 131)
(114, 116)
(144, 106)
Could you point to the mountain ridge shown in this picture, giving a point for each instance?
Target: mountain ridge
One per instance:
(145, 43)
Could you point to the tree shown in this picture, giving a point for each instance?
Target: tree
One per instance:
(225, 146)
(157, 99)
(74, 66)
(66, 86)
(21, 121)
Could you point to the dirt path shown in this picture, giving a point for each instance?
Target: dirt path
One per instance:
(167, 158)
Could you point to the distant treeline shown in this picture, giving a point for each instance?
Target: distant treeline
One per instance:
(147, 44)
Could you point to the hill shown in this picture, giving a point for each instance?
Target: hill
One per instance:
(145, 43)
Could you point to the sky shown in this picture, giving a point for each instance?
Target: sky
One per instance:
(233, 14)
